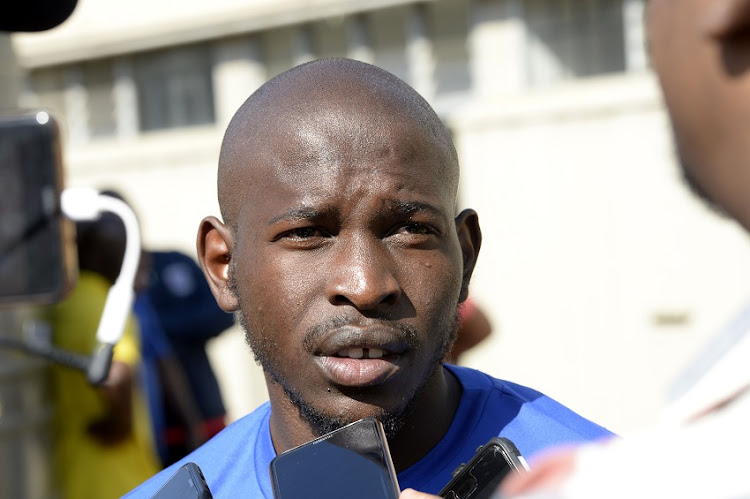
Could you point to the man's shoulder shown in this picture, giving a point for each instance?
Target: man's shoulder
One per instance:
(525, 410)
(492, 407)
(243, 445)
(473, 380)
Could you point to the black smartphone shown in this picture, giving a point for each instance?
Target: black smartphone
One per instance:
(37, 243)
(186, 483)
(352, 461)
(479, 478)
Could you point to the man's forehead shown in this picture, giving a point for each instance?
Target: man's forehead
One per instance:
(320, 180)
(327, 114)
(338, 145)
(335, 191)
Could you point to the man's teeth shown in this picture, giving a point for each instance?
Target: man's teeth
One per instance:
(361, 353)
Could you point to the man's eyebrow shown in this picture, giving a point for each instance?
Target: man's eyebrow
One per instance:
(302, 213)
(396, 207)
(412, 207)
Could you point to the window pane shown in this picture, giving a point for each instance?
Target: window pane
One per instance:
(98, 80)
(573, 39)
(174, 88)
(450, 25)
(48, 90)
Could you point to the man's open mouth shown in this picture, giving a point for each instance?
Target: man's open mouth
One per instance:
(358, 356)
(362, 353)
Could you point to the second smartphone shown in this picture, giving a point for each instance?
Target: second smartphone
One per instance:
(479, 478)
(187, 483)
(352, 461)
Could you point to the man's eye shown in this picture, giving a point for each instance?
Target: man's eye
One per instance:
(302, 233)
(417, 228)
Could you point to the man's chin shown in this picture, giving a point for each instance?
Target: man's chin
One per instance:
(321, 421)
(697, 189)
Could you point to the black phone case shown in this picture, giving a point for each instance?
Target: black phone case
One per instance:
(187, 483)
(479, 478)
(353, 461)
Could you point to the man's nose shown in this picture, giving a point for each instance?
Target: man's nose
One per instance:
(363, 275)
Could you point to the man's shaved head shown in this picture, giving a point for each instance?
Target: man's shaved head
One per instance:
(317, 95)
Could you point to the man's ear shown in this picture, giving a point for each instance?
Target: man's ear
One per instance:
(470, 239)
(726, 18)
(215, 244)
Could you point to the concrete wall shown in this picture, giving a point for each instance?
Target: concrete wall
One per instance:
(601, 271)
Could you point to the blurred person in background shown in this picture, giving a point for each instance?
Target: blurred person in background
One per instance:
(700, 50)
(184, 398)
(165, 379)
(189, 317)
(473, 328)
(103, 436)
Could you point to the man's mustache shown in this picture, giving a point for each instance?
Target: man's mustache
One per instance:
(314, 335)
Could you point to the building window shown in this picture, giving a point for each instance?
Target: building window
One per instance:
(388, 39)
(568, 39)
(47, 88)
(98, 81)
(174, 88)
(450, 28)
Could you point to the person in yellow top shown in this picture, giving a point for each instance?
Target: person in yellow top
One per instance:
(103, 441)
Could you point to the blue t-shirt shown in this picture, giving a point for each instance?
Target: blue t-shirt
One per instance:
(235, 462)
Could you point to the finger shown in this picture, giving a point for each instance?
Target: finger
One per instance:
(546, 473)
(413, 494)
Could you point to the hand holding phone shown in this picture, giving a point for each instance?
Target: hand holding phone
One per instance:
(352, 461)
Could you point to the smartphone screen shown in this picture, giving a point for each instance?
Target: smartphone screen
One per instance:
(37, 246)
(186, 483)
(479, 478)
(352, 461)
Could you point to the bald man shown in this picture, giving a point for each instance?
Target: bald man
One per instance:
(340, 251)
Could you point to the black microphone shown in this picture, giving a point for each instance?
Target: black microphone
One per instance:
(34, 15)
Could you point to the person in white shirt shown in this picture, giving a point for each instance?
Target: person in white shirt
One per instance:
(700, 50)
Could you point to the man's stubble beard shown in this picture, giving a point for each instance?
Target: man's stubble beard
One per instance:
(320, 422)
(687, 169)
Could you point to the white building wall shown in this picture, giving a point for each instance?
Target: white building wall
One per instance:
(600, 272)
(238, 71)
(495, 42)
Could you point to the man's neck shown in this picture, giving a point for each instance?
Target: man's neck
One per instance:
(424, 426)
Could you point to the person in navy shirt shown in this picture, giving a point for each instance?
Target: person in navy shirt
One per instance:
(341, 253)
